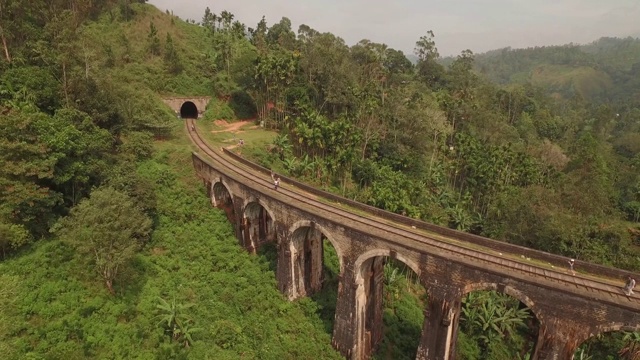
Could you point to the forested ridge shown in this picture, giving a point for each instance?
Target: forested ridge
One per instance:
(110, 249)
(606, 70)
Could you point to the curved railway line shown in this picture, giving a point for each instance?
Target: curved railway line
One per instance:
(587, 285)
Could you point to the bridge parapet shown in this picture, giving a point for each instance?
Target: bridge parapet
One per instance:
(496, 245)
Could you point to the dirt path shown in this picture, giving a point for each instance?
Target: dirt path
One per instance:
(230, 127)
(234, 128)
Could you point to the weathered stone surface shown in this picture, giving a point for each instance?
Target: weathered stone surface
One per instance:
(570, 309)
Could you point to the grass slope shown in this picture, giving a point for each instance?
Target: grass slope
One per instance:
(583, 80)
(126, 45)
(52, 306)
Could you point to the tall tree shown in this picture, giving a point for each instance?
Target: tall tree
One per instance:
(109, 228)
(27, 169)
(171, 57)
(153, 39)
(281, 35)
(429, 70)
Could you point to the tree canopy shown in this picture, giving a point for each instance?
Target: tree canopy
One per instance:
(108, 228)
(537, 147)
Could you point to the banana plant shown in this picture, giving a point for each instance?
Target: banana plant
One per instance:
(175, 322)
(631, 349)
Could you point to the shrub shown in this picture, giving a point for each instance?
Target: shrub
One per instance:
(243, 105)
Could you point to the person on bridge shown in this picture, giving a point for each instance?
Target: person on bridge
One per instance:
(193, 127)
(628, 287)
(276, 182)
(571, 263)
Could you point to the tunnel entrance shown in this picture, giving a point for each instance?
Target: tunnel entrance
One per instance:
(189, 110)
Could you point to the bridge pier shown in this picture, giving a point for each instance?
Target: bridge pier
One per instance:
(238, 217)
(358, 323)
(373, 273)
(344, 326)
(284, 267)
(247, 238)
(440, 328)
(558, 340)
(307, 253)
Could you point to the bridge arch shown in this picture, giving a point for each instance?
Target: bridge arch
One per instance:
(327, 234)
(220, 193)
(189, 110)
(369, 296)
(248, 201)
(308, 256)
(611, 333)
(384, 253)
(258, 224)
(505, 289)
(529, 331)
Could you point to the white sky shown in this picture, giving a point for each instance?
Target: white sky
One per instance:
(479, 25)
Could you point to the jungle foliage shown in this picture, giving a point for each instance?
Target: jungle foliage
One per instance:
(504, 144)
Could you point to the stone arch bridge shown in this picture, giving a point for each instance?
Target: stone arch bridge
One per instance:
(187, 107)
(449, 264)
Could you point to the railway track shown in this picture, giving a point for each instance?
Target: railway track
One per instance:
(587, 285)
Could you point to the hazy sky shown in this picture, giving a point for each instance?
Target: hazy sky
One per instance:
(479, 25)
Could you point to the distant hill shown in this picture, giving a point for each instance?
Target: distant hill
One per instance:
(605, 69)
(584, 80)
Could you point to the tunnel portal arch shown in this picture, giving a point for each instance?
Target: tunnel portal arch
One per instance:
(189, 110)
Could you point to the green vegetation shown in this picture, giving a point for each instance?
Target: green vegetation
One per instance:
(94, 190)
(58, 310)
(185, 291)
(403, 316)
(494, 325)
(605, 70)
(108, 228)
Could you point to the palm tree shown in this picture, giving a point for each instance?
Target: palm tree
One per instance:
(291, 165)
(282, 146)
(391, 280)
(307, 165)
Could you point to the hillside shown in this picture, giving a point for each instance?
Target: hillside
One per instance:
(606, 69)
(52, 310)
(585, 81)
(110, 247)
(88, 119)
